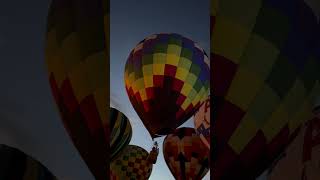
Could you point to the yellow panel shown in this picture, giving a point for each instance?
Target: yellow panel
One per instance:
(143, 94)
(59, 71)
(158, 69)
(80, 82)
(214, 7)
(244, 88)
(174, 49)
(186, 89)
(185, 104)
(148, 81)
(243, 134)
(71, 51)
(159, 58)
(101, 97)
(275, 123)
(229, 39)
(181, 73)
(139, 84)
(172, 59)
(196, 99)
(252, 59)
(303, 114)
(97, 69)
(131, 78)
(147, 70)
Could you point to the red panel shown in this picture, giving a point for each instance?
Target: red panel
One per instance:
(150, 93)
(158, 81)
(181, 99)
(170, 70)
(224, 161)
(228, 119)
(91, 115)
(69, 98)
(54, 87)
(223, 73)
(177, 85)
(278, 143)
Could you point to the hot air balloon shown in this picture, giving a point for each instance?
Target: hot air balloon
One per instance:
(15, 164)
(121, 132)
(77, 57)
(166, 79)
(202, 122)
(132, 163)
(265, 75)
(186, 155)
(302, 156)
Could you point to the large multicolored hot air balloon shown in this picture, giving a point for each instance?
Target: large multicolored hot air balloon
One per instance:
(202, 122)
(16, 165)
(77, 55)
(121, 132)
(265, 76)
(167, 79)
(186, 155)
(132, 163)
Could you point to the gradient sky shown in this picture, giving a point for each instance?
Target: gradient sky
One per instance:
(29, 119)
(133, 21)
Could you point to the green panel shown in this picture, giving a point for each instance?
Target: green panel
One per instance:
(262, 106)
(282, 76)
(191, 79)
(176, 41)
(195, 69)
(272, 26)
(186, 53)
(160, 48)
(197, 86)
(185, 63)
(310, 74)
(147, 59)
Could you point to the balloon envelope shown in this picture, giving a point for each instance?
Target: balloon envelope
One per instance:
(202, 122)
(77, 55)
(186, 155)
(265, 76)
(166, 78)
(132, 163)
(15, 164)
(121, 132)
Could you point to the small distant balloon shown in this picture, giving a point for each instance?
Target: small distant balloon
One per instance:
(186, 155)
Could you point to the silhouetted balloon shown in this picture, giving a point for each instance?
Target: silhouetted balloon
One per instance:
(202, 122)
(16, 165)
(132, 163)
(77, 55)
(121, 132)
(186, 155)
(265, 76)
(167, 79)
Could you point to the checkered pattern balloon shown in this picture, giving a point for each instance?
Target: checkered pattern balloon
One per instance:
(167, 79)
(266, 74)
(16, 165)
(77, 54)
(131, 164)
(121, 132)
(202, 122)
(186, 155)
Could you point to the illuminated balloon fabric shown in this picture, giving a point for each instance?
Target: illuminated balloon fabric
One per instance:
(131, 164)
(265, 75)
(15, 164)
(166, 78)
(202, 122)
(77, 55)
(186, 155)
(121, 132)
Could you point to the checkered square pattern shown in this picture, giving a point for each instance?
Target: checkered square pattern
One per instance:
(131, 164)
(174, 66)
(266, 66)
